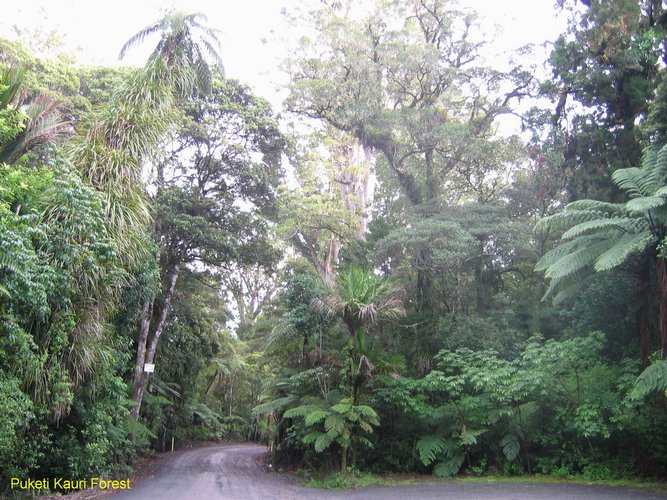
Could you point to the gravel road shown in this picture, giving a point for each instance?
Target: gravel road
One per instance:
(233, 472)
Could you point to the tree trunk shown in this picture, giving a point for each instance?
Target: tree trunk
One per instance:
(662, 317)
(144, 354)
(644, 329)
(164, 311)
(138, 389)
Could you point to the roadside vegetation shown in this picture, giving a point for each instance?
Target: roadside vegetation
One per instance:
(380, 281)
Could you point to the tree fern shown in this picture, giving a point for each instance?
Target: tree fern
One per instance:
(603, 236)
(651, 380)
(323, 441)
(596, 206)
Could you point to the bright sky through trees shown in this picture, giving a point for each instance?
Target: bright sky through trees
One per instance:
(254, 33)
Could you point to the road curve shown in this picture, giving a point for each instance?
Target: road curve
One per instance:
(233, 472)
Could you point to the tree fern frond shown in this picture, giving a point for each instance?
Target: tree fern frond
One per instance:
(301, 411)
(273, 405)
(315, 417)
(429, 447)
(597, 206)
(658, 171)
(633, 180)
(622, 249)
(652, 379)
(625, 224)
(555, 254)
(322, 442)
(334, 424)
(645, 203)
(578, 260)
(450, 466)
(565, 292)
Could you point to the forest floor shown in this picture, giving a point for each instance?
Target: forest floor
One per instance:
(235, 471)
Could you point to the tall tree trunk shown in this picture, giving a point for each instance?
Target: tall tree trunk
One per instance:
(138, 388)
(343, 460)
(662, 317)
(644, 329)
(146, 338)
(164, 312)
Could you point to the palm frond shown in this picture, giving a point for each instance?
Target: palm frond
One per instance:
(139, 37)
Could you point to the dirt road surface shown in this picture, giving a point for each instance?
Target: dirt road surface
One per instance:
(234, 472)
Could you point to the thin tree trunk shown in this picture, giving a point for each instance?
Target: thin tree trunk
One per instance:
(157, 330)
(644, 330)
(147, 355)
(138, 389)
(662, 317)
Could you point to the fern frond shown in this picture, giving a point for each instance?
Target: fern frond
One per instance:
(315, 417)
(622, 249)
(652, 379)
(580, 259)
(301, 411)
(658, 171)
(322, 442)
(633, 180)
(555, 254)
(510, 446)
(8, 263)
(334, 424)
(274, 405)
(619, 223)
(602, 207)
(450, 466)
(645, 203)
(429, 447)
(564, 292)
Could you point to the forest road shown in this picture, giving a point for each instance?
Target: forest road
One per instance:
(233, 472)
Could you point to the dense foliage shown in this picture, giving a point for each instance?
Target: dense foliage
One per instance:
(393, 287)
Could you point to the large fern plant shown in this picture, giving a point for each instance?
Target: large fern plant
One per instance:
(338, 423)
(601, 236)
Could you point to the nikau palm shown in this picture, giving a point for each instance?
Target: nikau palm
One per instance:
(604, 236)
(361, 298)
(44, 121)
(184, 47)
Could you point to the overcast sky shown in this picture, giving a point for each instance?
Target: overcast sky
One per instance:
(252, 31)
